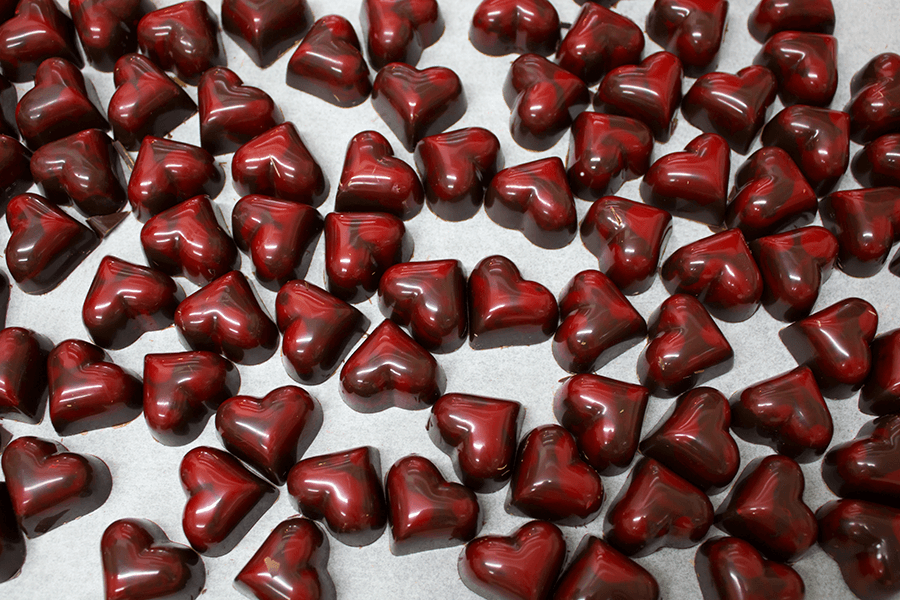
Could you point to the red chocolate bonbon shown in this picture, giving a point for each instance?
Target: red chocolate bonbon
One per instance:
(732, 569)
(771, 16)
(502, 27)
(399, 30)
(598, 570)
(866, 468)
(598, 42)
(692, 30)
(23, 374)
(107, 28)
(37, 32)
(264, 30)
(805, 65)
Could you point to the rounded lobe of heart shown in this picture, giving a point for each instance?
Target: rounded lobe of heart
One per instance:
(692, 30)
(501, 27)
(877, 164)
(729, 568)
(600, 571)
(224, 500)
(106, 28)
(507, 310)
(771, 16)
(880, 394)
(23, 374)
(181, 392)
(866, 468)
(521, 566)
(656, 509)
(36, 32)
(298, 551)
(12, 544)
(329, 64)
(49, 486)
(343, 489)
(874, 108)
(390, 369)
(139, 561)
(270, 434)
(399, 31)
(599, 41)
(265, 30)
(866, 224)
(805, 65)
(480, 434)
(15, 169)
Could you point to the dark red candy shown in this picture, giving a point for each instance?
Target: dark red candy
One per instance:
(765, 507)
(224, 500)
(15, 171)
(866, 224)
(107, 28)
(690, 29)
(343, 489)
(881, 393)
(8, 101)
(38, 31)
(329, 64)
(600, 571)
(834, 344)
(598, 42)
(88, 391)
(265, 30)
(867, 467)
(502, 27)
(23, 374)
(50, 486)
(733, 106)
(399, 30)
(878, 164)
(391, 369)
(875, 104)
(805, 65)
(12, 544)
(426, 511)
(480, 435)
(786, 412)
(732, 569)
(771, 16)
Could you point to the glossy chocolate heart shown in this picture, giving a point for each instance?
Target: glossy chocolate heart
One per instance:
(182, 38)
(279, 235)
(720, 271)
(880, 394)
(771, 16)
(834, 344)
(46, 244)
(391, 369)
(37, 32)
(12, 544)
(265, 30)
(224, 501)
(877, 164)
(107, 28)
(805, 65)
(686, 348)
(867, 467)
(270, 434)
(15, 171)
(866, 224)
(502, 27)
(343, 489)
(329, 64)
(507, 310)
(598, 42)
(319, 330)
(88, 391)
(600, 571)
(139, 561)
(300, 550)
(733, 106)
(692, 184)
(182, 390)
(399, 30)
(656, 509)
(277, 164)
(480, 435)
(49, 486)
(167, 173)
(628, 239)
(731, 569)
(127, 300)
(875, 90)
(23, 374)
(690, 29)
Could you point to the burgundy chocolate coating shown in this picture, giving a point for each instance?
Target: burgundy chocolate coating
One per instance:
(818, 141)
(552, 482)
(126, 300)
(874, 108)
(187, 240)
(521, 566)
(769, 195)
(231, 113)
(88, 391)
(866, 224)
(805, 65)
(731, 569)
(271, 433)
(863, 538)
(319, 330)
(534, 198)
(878, 164)
(224, 500)
(720, 271)
(690, 29)
(329, 64)
(300, 550)
(5, 288)
(390, 369)
(686, 348)
(399, 30)
(182, 390)
(182, 38)
(834, 344)
(426, 511)
(656, 509)
(628, 239)
(692, 439)
(598, 42)
(265, 29)
(480, 435)
(501, 27)
(867, 467)
(12, 544)
(794, 265)
(278, 164)
(507, 310)
(343, 489)
(733, 106)
(543, 100)
(600, 571)
(455, 168)
(771, 16)
(880, 394)
(139, 561)
(597, 323)
(46, 244)
(359, 248)
(107, 29)
(60, 104)
(23, 374)
(279, 235)
(8, 100)
(50, 486)
(15, 171)
(38, 31)
(692, 184)
(786, 412)
(84, 169)
(167, 172)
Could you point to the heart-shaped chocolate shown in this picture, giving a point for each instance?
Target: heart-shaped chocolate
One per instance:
(690, 29)
(598, 570)
(265, 30)
(23, 374)
(874, 108)
(15, 171)
(38, 31)
(867, 467)
(880, 394)
(805, 65)
(399, 31)
(731, 569)
(12, 543)
(771, 16)
(107, 28)
(502, 27)
(876, 165)
(866, 224)
(598, 42)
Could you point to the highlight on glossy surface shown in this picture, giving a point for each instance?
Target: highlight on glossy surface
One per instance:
(692, 30)
(866, 224)
(805, 65)
(36, 32)
(878, 164)
(866, 467)
(875, 95)
(599, 41)
(399, 30)
(731, 568)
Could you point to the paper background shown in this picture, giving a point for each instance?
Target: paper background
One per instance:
(65, 563)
